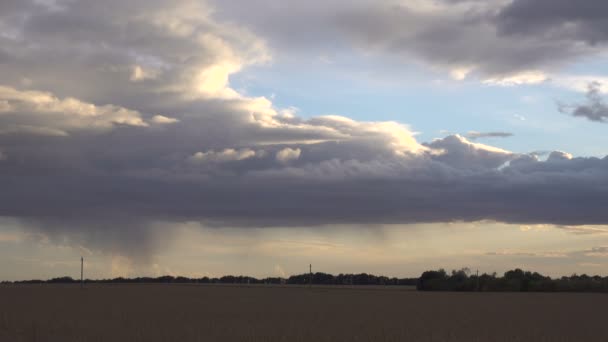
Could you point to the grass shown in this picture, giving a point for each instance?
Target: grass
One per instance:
(291, 313)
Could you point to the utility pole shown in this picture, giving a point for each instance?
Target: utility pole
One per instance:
(81, 272)
(477, 280)
(310, 272)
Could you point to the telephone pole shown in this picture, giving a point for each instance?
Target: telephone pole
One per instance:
(310, 273)
(81, 272)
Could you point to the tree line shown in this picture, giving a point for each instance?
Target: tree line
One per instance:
(516, 280)
(349, 279)
(318, 278)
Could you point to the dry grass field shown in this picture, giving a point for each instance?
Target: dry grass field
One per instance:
(274, 313)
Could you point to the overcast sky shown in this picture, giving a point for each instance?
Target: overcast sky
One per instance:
(254, 137)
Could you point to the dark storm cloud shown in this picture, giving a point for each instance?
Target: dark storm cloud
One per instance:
(112, 122)
(585, 20)
(102, 183)
(595, 109)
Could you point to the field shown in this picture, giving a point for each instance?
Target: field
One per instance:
(290, 313)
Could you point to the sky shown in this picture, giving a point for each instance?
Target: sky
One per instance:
(206, 138)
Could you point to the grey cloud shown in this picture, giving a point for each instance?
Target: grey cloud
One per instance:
(100, 44)
(481, 37)
(478, 135)
(597, 252)
(115, 184)
(595, 109)
(556, 19)
(579, 259)
(453, 39)
(254, 192)
(456, 151)
(104, 188)
(558, 156)
(589, 254)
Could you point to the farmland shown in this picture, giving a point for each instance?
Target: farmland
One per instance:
(293, 313)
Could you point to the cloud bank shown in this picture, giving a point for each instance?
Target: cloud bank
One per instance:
(500, 41)
(116, 116)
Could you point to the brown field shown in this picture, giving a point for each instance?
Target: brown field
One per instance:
(275, 313)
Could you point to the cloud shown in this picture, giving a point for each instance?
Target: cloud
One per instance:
(287, 154)
(140, 74)
(601, 252)
(228, 154)
(36, 112)
(515, 253)
(458, 152)
(163, 120)
(585, 229)
(89, 163)
(519, 117)
(559, 155)
(170, 50)
(589, 255)
(523, 77)
(578, 255)
(580, 83)
(555, 19)
(478, 135)
(499, 42)
(594, 109)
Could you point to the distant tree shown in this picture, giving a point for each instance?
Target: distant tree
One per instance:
(63, 280)
(513, 280)
(433, 280)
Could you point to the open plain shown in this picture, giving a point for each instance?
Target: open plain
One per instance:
(292, 313)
